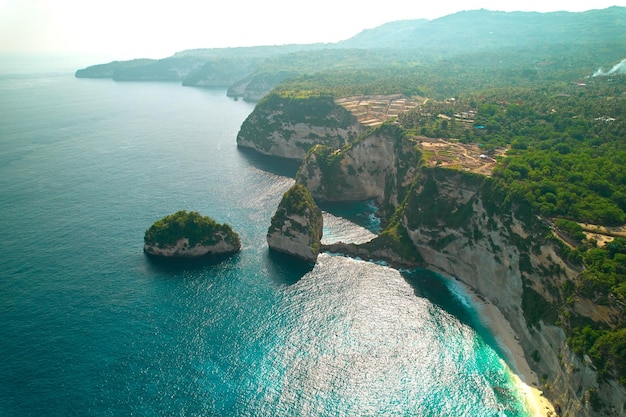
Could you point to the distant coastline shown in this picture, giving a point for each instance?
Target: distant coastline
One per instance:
(22, 63)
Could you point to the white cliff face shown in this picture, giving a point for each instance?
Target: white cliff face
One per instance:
(289, 238)
(182, 249)
(377, 158)
(294, 140)
(496, 253)
(288, 127)
(371, 168)
(488, 261)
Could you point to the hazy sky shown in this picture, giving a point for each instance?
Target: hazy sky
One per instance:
(124, 29)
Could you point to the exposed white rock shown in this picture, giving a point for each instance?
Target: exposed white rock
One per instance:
(297, 226)
(490, 265)
(182, 249)
(293, 141)
(297, 244)
(378, 166)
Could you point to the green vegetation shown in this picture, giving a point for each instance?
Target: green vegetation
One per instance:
(329, 162)
(200, 230)
(297, 201)
(310, 108)
(566, 148)
(606, 348)
(536, 308)
(604, 277)
(428, 207)
(571, 228)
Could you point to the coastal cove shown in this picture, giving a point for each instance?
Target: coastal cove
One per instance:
(90, 326)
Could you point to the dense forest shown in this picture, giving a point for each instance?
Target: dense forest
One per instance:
(200, 230)
(566, 148)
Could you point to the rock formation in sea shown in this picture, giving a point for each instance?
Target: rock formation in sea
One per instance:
(297, 226)
(190, 235)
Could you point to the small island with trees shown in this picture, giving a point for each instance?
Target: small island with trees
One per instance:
(190, 235)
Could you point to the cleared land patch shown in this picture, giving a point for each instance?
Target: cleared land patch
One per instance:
(374, 110)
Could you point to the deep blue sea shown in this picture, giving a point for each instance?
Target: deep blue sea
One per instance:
(91, 327)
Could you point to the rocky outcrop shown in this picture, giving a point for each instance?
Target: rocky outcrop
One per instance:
(381, 166)
(189, 235)
(288, 127)
(297, 226)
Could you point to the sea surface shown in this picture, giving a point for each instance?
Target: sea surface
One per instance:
(89, 326)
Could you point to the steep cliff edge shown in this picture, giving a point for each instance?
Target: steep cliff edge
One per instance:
(288, 127)
(189, 235)
(462, 228)
(381, 165)
(456, 223)
(297, 226)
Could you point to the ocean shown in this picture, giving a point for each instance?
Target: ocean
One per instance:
(89, 326)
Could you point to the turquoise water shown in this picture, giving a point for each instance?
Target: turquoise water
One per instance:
(90, 327)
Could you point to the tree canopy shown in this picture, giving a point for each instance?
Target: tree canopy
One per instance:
(200, 230)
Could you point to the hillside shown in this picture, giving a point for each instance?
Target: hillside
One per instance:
(517, 43)
(482, 30)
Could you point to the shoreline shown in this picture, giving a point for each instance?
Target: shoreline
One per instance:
(525, 378)
(494, 321)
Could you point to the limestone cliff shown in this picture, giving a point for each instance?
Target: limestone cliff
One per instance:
(288, 127)
(297, 225)
(461, 227)
(381, 165)
(189, 235)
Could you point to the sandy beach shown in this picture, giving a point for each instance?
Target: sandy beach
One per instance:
(527, 380)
